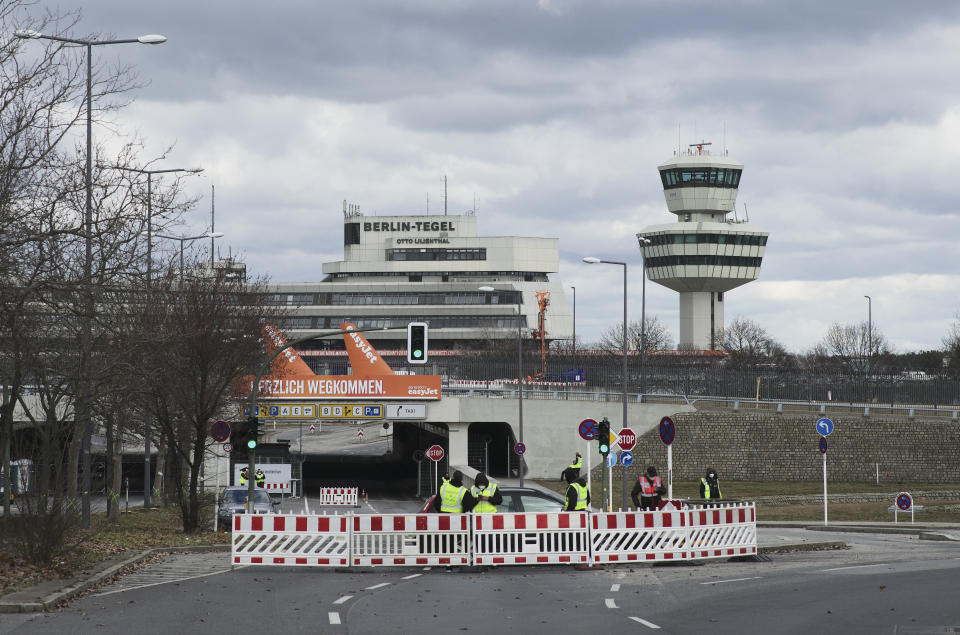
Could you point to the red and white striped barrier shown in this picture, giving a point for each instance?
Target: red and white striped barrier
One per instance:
(278, 488)
(730, 529)
(348, 496)
(531, 538)
(274, 539)
(410, 540)
(639, 536)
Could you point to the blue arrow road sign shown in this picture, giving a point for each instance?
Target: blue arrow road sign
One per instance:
(611, 459)
(626, 459)
(824, 426)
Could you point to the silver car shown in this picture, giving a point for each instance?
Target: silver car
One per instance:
(233, 500)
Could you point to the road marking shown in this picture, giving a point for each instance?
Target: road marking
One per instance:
(410, 577)
(859, 566)
(733, 580)
(374, 509)
(342, 600)
(645, 622)
(611, 604)
(614, 588)
(377, 586)
(334, 617)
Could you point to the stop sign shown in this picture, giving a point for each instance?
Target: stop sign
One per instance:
(626, 438)
(435, 452)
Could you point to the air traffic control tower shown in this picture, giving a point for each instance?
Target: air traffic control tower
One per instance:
(704, 254)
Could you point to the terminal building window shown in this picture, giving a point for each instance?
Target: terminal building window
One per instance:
(432, 253)
(463, 297)
(440, 322)
(700, 177)
(719, 261)
(756, 240)
(351, 233)
(289, 299)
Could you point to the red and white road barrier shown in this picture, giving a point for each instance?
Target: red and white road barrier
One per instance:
(410, 540)
(274, 539)
(722, 530)
(278, 488)
(348, 496)
(531, 538)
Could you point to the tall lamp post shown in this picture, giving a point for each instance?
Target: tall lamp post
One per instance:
(643, 318)
(83, 412)
(590, 260)
(574, 324)
(147, 423)
(184, 239)
(869, 330)
(519, 376)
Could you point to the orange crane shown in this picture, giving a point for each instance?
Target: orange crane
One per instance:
(540, 333)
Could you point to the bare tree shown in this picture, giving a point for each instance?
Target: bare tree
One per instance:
(657, 337)
(850, 345)
(750, 344)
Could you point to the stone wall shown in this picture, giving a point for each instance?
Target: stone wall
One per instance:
(772, 447)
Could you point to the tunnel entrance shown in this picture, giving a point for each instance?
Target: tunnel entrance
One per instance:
(490, 449)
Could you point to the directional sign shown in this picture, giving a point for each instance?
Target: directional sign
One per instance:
(626, 438)
(519, 449)
(904, 501)
(611, 459)
(285, 411)
(668, 431)
(351, 411)
(406, 411)
(626, 459)
(823, 445)
(220, 431)
(824, 426)
(588, 430)
(435, 452)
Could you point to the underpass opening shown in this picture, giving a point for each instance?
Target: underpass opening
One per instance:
(490, 449)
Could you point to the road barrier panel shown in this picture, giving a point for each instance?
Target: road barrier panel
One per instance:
(345, 496)
(531, 538)
(729, 529)
(639, 536)
(288, 540)
(410, 540)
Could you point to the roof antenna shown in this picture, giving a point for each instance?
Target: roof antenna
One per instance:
(444, 194)
(745, 211)
(724, 138)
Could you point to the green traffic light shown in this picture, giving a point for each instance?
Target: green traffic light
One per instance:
(604, 449)
(252, 443)
(417, 354)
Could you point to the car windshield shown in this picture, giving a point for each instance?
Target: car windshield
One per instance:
(239, 497)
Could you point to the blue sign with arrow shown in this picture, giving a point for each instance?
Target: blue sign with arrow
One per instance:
(824, 426)
(626, 459)
(611, 459)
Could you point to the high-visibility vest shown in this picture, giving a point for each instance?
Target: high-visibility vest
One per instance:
(261, 479)
(578, 463)
(451, 498)
(648, 489)
(484, 507)
(581, 496)
(706, 488)
(243, 479)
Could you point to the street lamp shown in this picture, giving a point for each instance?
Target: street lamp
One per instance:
(83, 412)
(590, 260)
(183, 239)
(643, 318)
(519, 376)
(869, 330)
(574, 324)
(146, 419)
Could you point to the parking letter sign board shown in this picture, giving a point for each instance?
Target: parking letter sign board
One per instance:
(435, 452)
(626, 438)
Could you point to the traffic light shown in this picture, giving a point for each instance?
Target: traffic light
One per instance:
(253, 432)
(603, 437)
(417, 341)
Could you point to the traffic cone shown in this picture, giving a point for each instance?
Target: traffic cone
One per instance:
(363, 493)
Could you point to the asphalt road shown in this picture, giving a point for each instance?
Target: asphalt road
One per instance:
(884, 583)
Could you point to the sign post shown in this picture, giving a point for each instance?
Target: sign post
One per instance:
(668, 432)
(435, 454)
(824, 428)
(588, 432)
(904, 503)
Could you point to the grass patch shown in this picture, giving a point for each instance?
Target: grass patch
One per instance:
(134, 531)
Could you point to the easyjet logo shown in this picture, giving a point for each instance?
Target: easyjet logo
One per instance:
(364, 348)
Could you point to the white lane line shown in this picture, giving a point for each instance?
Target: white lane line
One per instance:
(377, 586)
(334, 617)
(757, 577)
(611, 604)
(644, 622)
(614, 588)
(411, 577)
(342, 600)
(372, 508)
(859, 566)
(145, 586)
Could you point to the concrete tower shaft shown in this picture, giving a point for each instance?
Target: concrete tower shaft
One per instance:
(704, 254)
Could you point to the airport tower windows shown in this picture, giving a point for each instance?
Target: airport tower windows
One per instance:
(757, 240)
(699, 177)
(718, 261)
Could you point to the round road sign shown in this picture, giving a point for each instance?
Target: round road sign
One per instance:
(418, 455)
(220, 431)
(519, 449)
(435, 452)
(227, 448)
(823, 445)
(626, 438)
(668, 431)
(588, 430)
(626, 459)
(824, 426)
(904, 501)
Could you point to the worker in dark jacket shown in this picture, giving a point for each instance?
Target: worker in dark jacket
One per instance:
(487, 495)
(647, 491)
(710, 485)
(578, 496)
(453, 497)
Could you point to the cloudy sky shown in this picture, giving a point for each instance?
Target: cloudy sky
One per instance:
(553, 116)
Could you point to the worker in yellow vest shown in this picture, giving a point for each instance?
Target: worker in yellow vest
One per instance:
(487, 495)
(243, 477)
(710, 485)
(578, 496)
(453, 497)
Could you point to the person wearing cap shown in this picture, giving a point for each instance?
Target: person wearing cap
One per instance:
(453, 497)
(649, 488)
(710, 485)
(244, 475)
(487, 495)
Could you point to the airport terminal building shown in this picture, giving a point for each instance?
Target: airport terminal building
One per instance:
(427, 268)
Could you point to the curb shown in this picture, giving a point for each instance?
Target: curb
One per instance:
(803, 546)
(11, 604)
